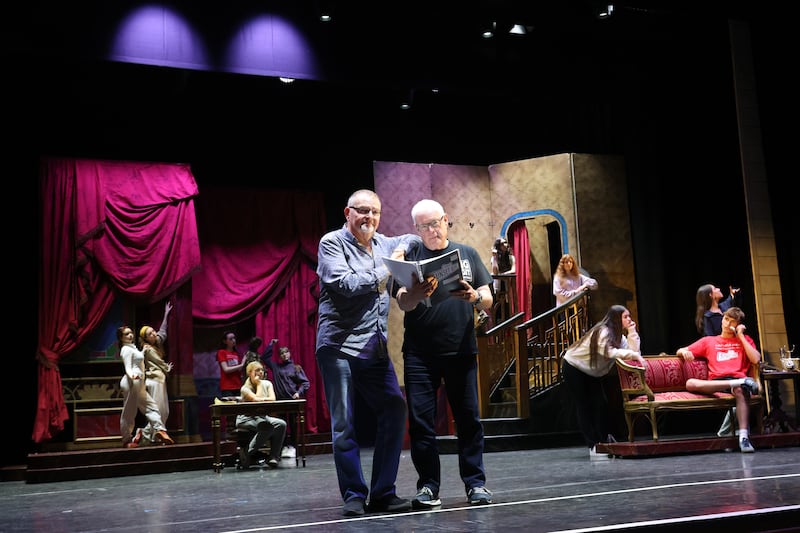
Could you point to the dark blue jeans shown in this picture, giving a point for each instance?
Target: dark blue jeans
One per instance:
(375, 380)
(423, 375)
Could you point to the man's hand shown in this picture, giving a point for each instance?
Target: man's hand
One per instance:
(423, 289)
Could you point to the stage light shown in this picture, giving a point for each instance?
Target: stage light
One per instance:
(604, 11)
(325, 10)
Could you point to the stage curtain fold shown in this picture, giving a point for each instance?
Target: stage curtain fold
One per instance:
(259, 260)
(107, 226)
(522, 253)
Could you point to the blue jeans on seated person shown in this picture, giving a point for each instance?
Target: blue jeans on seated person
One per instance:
(375, 381)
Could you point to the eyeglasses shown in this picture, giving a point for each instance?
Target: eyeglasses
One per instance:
(430, 225)
(366, 210)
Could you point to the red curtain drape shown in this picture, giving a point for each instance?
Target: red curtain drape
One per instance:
(106, 226)
(259, 250)
(292, 319)
(518, 237)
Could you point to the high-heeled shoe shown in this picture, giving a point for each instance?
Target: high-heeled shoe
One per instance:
(163, 438)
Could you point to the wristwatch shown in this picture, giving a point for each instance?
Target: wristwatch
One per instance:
(479, 300)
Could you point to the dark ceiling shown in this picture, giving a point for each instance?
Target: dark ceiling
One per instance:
(574, 83)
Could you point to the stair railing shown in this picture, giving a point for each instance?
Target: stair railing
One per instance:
(533, 347)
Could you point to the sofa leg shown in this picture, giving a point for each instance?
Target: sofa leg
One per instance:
(654, 424)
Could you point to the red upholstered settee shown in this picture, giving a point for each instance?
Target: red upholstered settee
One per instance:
(661, 387)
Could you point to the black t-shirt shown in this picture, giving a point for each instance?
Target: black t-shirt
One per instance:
(448, 327)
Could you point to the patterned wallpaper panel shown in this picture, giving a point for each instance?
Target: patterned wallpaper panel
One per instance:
(587, 192)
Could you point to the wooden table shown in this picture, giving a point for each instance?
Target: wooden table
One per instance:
(771, 379)
(218, 410)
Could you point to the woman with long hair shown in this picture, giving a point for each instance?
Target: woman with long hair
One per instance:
(135, 396)
(156, 367)
(587, 362)
(264, 428)
(568, 280)
(708, 317)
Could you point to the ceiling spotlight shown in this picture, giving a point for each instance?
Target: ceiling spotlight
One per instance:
(605, 11)
(286, 80)
(325, 10)
(520, 29)
(488, 31)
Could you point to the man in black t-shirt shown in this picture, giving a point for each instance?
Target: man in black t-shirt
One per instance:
(439, 344)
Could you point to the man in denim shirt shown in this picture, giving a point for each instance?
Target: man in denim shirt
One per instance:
(352, 356)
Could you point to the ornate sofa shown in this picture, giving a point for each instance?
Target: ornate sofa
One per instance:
(661, 387)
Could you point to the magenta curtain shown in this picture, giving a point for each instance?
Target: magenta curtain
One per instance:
(518, 237)
(107, 226)
(259, 251)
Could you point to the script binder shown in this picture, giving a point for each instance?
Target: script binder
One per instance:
(446, 268)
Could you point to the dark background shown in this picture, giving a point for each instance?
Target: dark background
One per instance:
(653, 84)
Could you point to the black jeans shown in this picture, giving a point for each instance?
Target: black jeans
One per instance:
(423, 375)
(591, 403)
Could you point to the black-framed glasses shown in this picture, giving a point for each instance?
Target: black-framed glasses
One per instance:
(366, 210)
(433, 224)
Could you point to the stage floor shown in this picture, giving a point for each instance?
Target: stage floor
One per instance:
(534, 490)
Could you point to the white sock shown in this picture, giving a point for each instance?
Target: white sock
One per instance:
(743, 434)
(736, 383)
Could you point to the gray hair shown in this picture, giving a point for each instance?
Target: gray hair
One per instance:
(425, 205)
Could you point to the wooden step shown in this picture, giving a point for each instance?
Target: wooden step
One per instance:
(94, 463)
(114, 462)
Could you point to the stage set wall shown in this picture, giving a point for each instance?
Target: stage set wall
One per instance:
(585, 194)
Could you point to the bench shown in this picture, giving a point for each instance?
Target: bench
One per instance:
(661, 387)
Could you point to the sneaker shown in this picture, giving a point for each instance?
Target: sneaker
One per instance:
(288, 452)
(353, 507)
(389, 503)
(750, 386)
(479, 496)
(272, 463)
(425, 499)
(594, 455)
(163, 438)
(745, 446)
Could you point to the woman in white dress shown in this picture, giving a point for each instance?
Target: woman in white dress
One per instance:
(135, 396)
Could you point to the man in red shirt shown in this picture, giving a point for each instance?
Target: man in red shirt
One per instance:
(729, 357)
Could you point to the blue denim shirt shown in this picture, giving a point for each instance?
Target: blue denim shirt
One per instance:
(353, 300)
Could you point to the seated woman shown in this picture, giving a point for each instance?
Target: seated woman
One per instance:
(266, 428)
